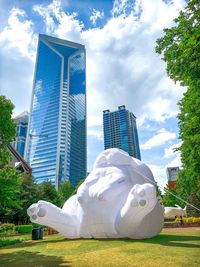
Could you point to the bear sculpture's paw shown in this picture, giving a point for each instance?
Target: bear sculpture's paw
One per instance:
(40, 212)
(141, 200)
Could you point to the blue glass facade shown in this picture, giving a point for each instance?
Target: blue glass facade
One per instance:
(56, 147)
(21, 133)
(120, 131)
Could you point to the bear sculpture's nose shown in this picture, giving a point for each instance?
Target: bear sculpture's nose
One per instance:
(100, 197)
(80, 199)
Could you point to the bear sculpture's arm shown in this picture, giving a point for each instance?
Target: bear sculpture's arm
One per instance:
(46, 213)
(141, 201)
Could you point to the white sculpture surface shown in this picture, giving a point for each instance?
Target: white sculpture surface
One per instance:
(116, 200)
(171, 212)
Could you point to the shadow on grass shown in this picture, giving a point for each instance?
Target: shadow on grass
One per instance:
(171, 240)
(165, 240)
(24, 258)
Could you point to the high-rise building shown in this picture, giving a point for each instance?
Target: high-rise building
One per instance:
(120, 131)
(172, 175)
(21, 133)
(56, 146)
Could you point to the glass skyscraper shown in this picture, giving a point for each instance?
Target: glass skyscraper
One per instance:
(56, 146)
(21, 133)
(120, 131)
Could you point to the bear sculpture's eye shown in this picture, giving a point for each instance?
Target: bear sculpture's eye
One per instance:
(121, 181)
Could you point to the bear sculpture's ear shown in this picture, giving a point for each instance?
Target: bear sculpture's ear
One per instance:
(113, 157)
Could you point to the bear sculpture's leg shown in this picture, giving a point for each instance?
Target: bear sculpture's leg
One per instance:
(140, 201)
(45, 213)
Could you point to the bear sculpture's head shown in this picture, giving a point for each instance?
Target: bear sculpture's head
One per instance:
(113, 175)
(114, 172)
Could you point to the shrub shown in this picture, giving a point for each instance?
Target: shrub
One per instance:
(22, 229)
(189, 219)
(35, 225)
(192, 219)
(7, 227)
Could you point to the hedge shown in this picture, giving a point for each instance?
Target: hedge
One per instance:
(5, 227)
(22, 229)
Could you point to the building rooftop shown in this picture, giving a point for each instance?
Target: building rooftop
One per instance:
(122, 107)
(22, 116)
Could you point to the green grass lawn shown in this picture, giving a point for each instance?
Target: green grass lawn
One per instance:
(167, 249)
(9, 240)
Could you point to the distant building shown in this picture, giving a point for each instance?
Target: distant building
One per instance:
(22, 126)
(120, 131)
(56, 146)
(172, 175)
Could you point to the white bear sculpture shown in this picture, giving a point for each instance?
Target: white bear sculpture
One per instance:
(117, 200)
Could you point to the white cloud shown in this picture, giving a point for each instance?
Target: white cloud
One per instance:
(94, 120)
(176, 162)
(159, 14)
(59, 22)
(169, 152)
(161, 138)
(49, 21)
(95, 133)
(19, 34)
(160, 175)
(17, 54)
(120, 7)
(96, 14)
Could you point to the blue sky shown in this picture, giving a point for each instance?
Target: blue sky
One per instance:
(122, 67)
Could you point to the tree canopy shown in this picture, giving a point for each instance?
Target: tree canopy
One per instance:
(28, 194)
(47, 192)
(180, 47)
(10, 182)
(65, 190)
(7, 129)
(169, 200)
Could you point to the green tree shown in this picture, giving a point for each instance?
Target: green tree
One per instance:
(158, 191)
(28, 194)
(180, 47)
(169, 200)
(7, 129)
(77, 186)
(191, 211)
(10, 179)
(47, 192)
(65, 191)
(10, 182)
